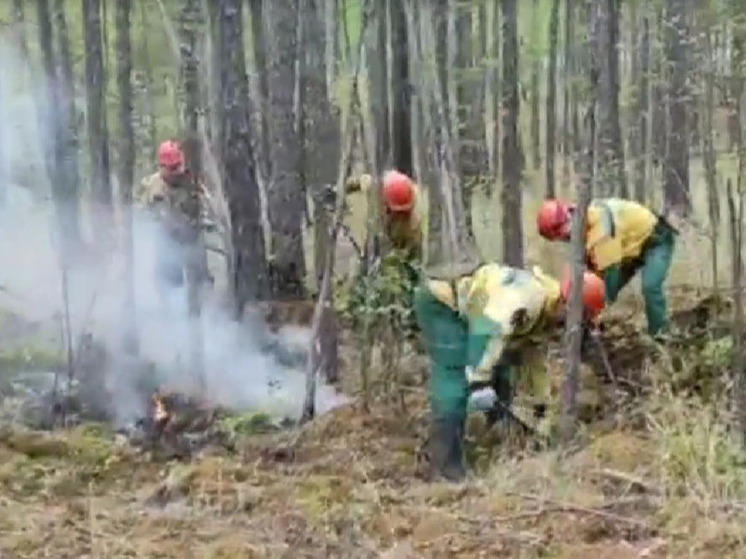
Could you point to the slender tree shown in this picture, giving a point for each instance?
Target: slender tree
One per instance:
(250, 281)
(574, 328)
(285, 195)
(64, 192)
(551, 112)
(126, 168)
(190, 24)
(98, 134)
(512, 152)
(676, 164)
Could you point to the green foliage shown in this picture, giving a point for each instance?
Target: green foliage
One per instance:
(30, 357)
(717, 354)
(384, 296)
(698, 453)
(251, 424)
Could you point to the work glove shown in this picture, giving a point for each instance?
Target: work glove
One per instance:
(483, 399)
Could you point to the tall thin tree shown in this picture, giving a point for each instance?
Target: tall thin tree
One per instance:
(98, 132)
(190, 24)
(126, 168)
(250, 281)
(512, 152)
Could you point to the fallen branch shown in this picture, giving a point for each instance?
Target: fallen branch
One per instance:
(561, 506)
(633, 481)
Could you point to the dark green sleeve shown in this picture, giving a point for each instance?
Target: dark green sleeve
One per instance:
(613, 283)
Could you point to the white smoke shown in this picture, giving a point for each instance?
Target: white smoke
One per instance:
(237, 371)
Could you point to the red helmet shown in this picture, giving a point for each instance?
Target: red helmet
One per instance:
(398, 191)
(553, 220)
(594, 291)
(170, 155)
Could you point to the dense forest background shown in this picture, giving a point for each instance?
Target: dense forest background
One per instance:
(494, 95)
(300, 430)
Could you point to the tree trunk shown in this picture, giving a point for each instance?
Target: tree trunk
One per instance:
(676, 165)
(642, 117)
(512, 224)
(708, 154)
(260, 46)
(379, 93)
(212, 37)
(535, 93)
(98, 134)
(551, 112)
(68, 115)
(332, 54)
(465, 98)
(126, 166)
(285, 196)
(611, 172)
(149, 86)
(659, 100)
(190, 24)
(457, 246)
(401, 100)
(574, 328)
(321, 151)
(250, 280)
(569, 111)
(64, 193)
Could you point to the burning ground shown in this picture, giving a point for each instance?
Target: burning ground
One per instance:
(656, 477)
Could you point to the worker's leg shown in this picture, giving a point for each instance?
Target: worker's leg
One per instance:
(502, 384)
(657, 261)
(445, 336)
(169, 269)
(537, 385)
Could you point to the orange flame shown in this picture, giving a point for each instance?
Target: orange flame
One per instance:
(160, 413)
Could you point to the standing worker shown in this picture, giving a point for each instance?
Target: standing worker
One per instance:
(168, 195)
(621, 238)
(468, 313)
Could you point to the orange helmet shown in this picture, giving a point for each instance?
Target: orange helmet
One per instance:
(170, 155)
(594, 291)
(553, 220)
(398, 191)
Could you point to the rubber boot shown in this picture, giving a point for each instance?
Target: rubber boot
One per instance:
(446, 449)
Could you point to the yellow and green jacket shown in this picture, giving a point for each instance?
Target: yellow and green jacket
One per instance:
(504, 306)
(616, 232)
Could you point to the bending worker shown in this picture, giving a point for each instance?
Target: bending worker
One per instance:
(468, 316)
(621, 238)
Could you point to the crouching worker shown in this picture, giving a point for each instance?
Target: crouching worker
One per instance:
(169, 197)
(622, 237)
(468, 324)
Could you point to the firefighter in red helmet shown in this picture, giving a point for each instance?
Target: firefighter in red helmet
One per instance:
(168, 195)
(621, 238)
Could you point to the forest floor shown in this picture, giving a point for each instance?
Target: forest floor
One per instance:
(658, 477)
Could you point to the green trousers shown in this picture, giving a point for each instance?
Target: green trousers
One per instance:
(654, 263)
(446, 337)
(447, 342)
